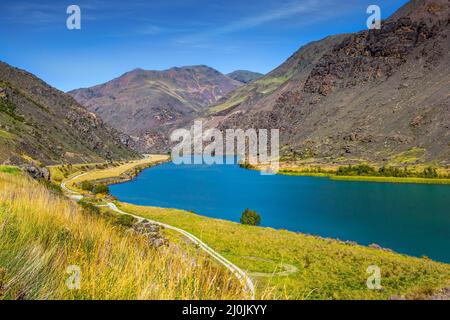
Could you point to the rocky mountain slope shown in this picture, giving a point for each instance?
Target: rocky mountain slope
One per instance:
(378, 95)
(296, 68)
(41, 124)
(148, 104)
(244, 76)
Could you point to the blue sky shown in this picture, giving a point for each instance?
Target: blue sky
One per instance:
(118, 36)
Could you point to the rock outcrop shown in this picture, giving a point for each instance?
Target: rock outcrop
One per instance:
(152, 232)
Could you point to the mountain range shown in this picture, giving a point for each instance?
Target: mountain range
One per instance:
(376, 95)
(147, 105)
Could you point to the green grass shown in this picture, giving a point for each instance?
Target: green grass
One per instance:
(10, 170)
(227, 104)
(262, 86)
(327, 269)
(408, 157)
(392, 179)
(267, 85)
(303, 174)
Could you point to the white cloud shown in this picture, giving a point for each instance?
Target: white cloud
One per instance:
(284, 11)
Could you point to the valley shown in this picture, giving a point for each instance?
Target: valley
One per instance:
(263, 253)
(95, 204)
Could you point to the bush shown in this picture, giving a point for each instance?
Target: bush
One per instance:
(246, 165)
(360, 170)
(125, 220)
(250, 217)
(89, 208)
(101, 189)
(393, 172)
(55, 188)
(87, 186)
(429, 172)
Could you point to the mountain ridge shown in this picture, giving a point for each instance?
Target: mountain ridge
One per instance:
(146, 104)
(39, 123)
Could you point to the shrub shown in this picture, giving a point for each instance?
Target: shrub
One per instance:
(125, 220)
(250, 217)
(55, 188)
(101, 189)
(89, 208)
(429, 172)
(87, 186)
(393, 172)
(360, 170)
(244, 165)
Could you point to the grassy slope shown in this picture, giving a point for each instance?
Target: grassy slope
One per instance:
(43, 233)
(263, 86)
(327, 269)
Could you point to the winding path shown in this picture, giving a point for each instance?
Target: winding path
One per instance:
(235, 270)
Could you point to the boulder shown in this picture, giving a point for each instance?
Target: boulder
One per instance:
(38, 173)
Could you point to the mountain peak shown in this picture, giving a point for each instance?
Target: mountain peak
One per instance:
(142, 102)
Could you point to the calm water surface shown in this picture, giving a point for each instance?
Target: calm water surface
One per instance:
(408, 218)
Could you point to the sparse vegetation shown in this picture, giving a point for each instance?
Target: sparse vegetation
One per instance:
(87, 186)
(100, 189)
(8, 108)
(364, 172)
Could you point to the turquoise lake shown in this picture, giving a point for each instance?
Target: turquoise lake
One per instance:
(408, 218)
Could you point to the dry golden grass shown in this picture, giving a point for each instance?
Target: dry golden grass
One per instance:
(114, 172)
(42, 234)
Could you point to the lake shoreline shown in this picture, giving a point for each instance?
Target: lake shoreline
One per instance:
(327, 171)
(307, 250)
